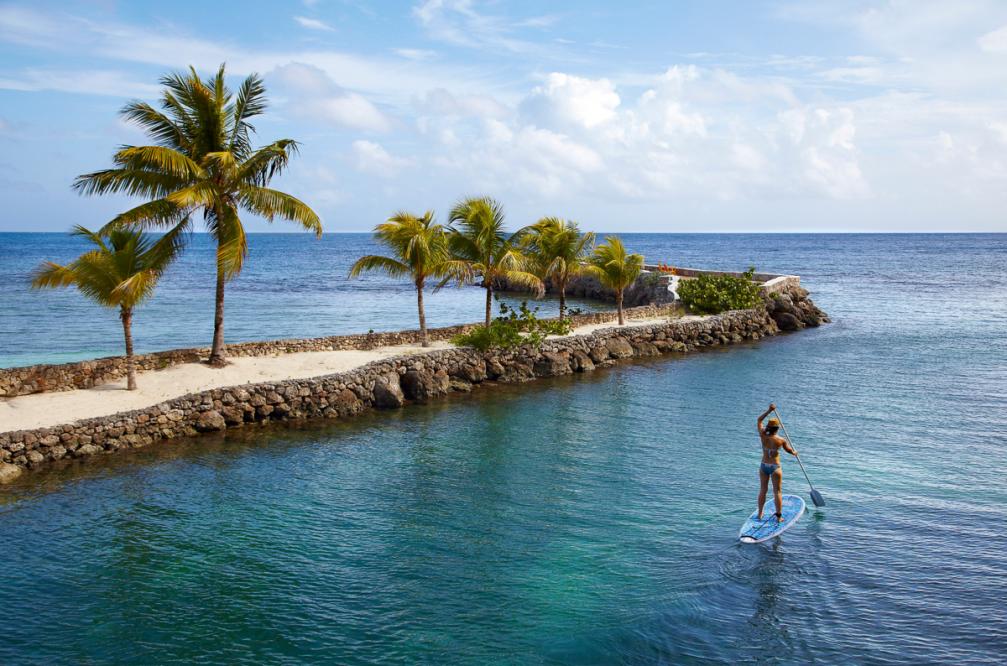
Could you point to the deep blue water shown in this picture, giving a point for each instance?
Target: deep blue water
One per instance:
(589, 519)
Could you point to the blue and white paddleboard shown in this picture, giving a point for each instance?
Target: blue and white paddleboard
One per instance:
(757, 531)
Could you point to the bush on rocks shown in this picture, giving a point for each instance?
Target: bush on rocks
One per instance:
(713, 294)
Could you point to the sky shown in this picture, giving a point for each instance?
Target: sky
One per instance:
(663, 116)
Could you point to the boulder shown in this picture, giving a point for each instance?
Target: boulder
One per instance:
(421, 385)
(552, 364)
(210, 421)
(582, 362)
(618, 348)
(494, 368)
(646, 349)
(474, 372)
(346, 403)
(388, 393)
(9, 472)
(233, 415)
(787, 322)
(461, 385)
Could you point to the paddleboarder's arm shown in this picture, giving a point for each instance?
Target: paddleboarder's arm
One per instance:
(787, 447)
(764, 414)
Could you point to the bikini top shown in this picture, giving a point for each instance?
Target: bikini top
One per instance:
(771, 451)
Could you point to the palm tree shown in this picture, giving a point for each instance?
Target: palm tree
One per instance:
(615, 269)
(558, 250)
(478, 238)
(420, 249)
(121, 271)
(202, 161)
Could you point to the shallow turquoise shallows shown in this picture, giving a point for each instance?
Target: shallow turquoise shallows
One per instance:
(585, 520)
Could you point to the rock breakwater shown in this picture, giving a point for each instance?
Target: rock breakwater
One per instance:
(385, 384)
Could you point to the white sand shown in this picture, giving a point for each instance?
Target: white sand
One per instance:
(43, 410)
(630, 323)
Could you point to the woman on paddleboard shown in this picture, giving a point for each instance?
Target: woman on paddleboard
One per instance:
(770, 467)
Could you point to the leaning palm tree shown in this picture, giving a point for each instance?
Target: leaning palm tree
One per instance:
(558, 250)
(420, 249)
(121, 272)
(478, 238)
(202, 162)
(615, 269)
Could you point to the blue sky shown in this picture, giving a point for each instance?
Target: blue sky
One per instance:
(632, 116)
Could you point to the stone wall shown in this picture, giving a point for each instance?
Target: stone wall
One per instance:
(389, 383)
(87, 374)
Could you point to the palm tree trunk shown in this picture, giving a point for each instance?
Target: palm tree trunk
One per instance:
(618, 305)
(423, 315)
(489, 302)
(126, 314)
(562, 300)
(217, 351)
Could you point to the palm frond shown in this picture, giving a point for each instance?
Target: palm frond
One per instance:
(151, 215)
(271, 204)
(391, 267)
(160, 160)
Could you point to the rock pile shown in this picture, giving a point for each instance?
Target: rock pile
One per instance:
(385, 384)
(792, 310)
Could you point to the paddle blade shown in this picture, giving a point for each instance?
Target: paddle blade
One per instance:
(817, 498)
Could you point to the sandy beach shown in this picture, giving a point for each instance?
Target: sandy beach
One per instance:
(43, 410)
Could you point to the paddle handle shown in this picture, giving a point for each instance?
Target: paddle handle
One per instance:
(787, 435)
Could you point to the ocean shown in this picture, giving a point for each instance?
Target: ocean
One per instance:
(589, 519)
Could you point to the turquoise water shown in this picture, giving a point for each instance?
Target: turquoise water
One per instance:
(588, 519)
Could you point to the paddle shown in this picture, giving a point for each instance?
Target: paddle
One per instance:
(816, 496)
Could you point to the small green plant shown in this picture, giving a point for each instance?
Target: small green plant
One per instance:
(513, 328)
(713, 294)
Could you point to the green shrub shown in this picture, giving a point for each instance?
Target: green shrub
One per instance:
(713, 294)
(513, 328)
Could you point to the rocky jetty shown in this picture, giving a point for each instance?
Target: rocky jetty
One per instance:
(792, 309)
(385, 384)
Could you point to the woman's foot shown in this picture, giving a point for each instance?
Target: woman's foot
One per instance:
(779, 517)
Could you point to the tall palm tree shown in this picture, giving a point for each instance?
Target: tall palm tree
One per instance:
(121, 272)
(420, 249)
(558, 250)
(615, 269)
(202, 161)
(478, 238)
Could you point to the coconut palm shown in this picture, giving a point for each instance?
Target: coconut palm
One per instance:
(121, 272)
(202, 161)
(615, 269)
(557, 249)
(420, 249)
(478, 238)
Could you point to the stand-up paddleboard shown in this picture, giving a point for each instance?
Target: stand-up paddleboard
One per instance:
(757, 531)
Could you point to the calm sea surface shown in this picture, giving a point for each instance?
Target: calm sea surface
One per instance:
(586, 520)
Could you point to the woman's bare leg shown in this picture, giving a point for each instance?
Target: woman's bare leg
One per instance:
(778, 493)
(763, 486)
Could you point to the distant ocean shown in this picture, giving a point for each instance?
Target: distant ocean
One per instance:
(588, 519)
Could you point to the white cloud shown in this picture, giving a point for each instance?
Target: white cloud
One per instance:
(89, 82)
(318, 97)
(994, 41)
(372, 158)
(389, 77)
(415, 54)
(457, 22)
(440, 102)
(313, 24)
(564, 98)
